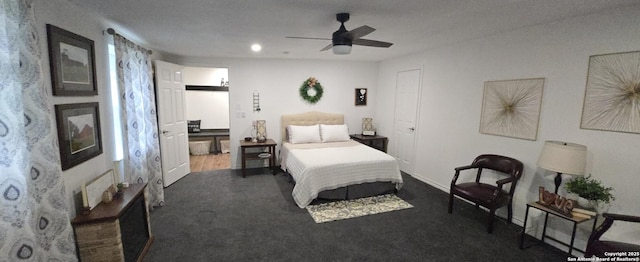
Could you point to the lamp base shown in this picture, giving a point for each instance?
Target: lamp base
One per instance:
(368, 133)
(558, 181)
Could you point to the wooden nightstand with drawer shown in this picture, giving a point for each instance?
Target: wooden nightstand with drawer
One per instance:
(377, 142)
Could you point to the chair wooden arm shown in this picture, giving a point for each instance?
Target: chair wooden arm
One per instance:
(609, 218)
(458, 169)
(500, 183)
(596, 234)
(504, 181)
(465, 167)
(608, 221)
(620, 217)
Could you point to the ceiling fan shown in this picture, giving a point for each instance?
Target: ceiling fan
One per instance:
(342, 40)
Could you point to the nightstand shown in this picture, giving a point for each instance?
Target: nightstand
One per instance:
(377, 142)
(270, 154)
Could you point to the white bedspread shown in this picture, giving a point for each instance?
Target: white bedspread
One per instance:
(325, 166)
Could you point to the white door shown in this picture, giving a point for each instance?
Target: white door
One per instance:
(174, 140)
(407, 92)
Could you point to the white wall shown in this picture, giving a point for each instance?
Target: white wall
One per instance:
(452, 87)
(205, 76)
(211, 107)
(278, 82)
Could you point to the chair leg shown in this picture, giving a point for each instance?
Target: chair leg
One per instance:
(450, 203)
(509, 213)
(492, 214)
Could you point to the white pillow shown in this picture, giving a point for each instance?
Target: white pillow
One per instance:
(304, 134)
(334, 133)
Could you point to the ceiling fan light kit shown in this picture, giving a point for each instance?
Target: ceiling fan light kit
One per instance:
(342, 40)
(341, 49)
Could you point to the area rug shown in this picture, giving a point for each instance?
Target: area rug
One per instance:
(345, 209)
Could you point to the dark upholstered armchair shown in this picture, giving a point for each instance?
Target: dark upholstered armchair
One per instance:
(597, 247)
(487, 195)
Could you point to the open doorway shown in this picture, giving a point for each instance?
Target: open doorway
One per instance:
(207, 111)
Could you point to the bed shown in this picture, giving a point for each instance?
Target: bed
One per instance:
(329, 165)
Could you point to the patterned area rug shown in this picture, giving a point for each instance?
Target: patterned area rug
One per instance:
(356, 208)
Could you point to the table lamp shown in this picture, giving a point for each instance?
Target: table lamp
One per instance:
(261, 130)
(563, 158)
(367, 127)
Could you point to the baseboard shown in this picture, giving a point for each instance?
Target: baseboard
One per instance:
(431, 182)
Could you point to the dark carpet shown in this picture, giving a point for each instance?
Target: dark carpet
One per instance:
(220, 216)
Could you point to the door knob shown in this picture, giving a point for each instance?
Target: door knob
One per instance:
(164, 132)
(411, 129)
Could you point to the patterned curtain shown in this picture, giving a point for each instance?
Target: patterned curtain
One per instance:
(135, 81)
(34, 218)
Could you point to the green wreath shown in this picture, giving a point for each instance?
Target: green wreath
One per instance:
(311, 83)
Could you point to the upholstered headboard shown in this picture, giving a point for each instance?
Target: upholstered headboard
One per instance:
(308, 119)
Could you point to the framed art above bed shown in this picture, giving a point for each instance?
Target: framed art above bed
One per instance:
(361, 97)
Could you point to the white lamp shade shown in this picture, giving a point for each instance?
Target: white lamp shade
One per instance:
(563, 157)
(341, 49)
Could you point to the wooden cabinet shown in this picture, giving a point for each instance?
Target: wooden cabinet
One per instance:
(115, 231)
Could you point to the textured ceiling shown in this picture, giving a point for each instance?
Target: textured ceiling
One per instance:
(227, 28)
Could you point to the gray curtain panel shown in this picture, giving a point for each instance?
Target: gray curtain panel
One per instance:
(34, 218)
(135, 83)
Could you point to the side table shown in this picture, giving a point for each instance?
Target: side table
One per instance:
(270, 154)
(575, 219)
(377, 142)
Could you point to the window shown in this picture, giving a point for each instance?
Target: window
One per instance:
(115, 105)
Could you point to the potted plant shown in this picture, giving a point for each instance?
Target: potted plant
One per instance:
(596, 194)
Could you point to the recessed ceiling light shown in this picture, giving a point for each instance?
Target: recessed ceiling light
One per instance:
(256, 47)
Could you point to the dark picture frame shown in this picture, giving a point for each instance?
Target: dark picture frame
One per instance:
(361, 97)
(78, 133)
(72, 59)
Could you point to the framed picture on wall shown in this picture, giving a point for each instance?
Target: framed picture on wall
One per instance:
(72, 61)
(78, 133)
(511, 108)
(612, 93)
(361, 96)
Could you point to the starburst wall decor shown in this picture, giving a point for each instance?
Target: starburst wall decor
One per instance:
(512, 108)
(612, 95)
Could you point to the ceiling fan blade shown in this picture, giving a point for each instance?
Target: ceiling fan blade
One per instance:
(327, 47)
(311, 38)
(374, 43)
(360, 32)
